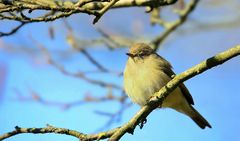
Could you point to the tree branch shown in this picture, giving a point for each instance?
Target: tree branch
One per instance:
(56, 130)
(48, 129)
(65, 9)
(171, 85)
(53, 9)
(104, 10)
(14, 30)
(153, 103)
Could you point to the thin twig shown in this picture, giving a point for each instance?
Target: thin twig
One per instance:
(71, 39)
(14, 30)
(104, 10)
(78, 74)
(113, 117)
(88, 98)
(73, 43)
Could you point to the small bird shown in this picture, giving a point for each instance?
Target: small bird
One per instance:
(146, 73)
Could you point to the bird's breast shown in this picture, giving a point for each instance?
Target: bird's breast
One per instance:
(142, 78)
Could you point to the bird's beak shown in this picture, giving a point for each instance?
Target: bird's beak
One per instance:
(129, 54)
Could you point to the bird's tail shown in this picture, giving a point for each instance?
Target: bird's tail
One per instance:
(198, 118)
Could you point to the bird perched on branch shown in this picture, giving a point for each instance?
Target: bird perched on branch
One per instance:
(146, 73)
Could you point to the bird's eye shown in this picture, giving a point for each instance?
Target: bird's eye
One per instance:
(141, 54)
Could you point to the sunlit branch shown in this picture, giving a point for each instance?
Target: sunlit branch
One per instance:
(104, 10)
(65, 9)
(159, 96)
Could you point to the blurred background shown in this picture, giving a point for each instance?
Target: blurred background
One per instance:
(67, 73)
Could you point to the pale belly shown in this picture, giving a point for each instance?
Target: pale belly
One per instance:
(141, 85)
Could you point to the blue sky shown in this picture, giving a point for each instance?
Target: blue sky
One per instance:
(215, 92)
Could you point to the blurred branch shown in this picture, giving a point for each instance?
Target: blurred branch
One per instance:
(141, 115)
(113, 117)
(116, 42)
(88, 98)
(199, 26)
(109, 40)
(72, 41)
(77, 46)
(155, 17)
(79, 74)
(170, 26)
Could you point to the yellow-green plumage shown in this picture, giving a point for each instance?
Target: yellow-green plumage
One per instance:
(146, 73)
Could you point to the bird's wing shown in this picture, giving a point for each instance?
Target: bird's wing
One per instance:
(167, 68)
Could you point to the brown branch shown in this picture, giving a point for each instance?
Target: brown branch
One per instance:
(171, 26)
(83, 2)
(39, 19)
(130, 3)
(65, 9)
(104, 10)
(56, 9)
(51, 129)
(48, 129)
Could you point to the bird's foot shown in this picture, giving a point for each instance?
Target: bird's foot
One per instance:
(142, 122)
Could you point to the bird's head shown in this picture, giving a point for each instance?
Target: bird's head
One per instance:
(140, 50)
